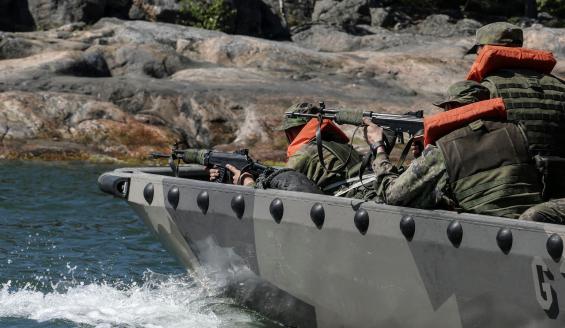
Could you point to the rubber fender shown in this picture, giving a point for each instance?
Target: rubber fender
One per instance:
(114, 185)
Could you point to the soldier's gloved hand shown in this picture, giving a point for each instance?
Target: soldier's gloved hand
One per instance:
(214, 173)
(239, 178)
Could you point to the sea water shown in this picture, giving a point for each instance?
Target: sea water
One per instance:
(71, 256)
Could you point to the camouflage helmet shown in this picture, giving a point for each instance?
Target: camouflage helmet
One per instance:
(464, 93)
(288, 122)
(499, 33)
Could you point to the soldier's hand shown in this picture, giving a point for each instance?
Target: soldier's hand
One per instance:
(243, 179)
(417, 148)
(373, 132)
(214, 173)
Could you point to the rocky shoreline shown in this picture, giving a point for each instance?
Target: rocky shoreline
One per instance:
(119, 89)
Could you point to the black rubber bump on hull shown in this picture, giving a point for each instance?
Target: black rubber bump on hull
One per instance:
(148, 192)
(361, 220)
(173, 197)
(238, 205)
(203, 201)
(554, 247)
(455, 233)
(277, 210)
(318, 215)
(504, 240)
(408, 227)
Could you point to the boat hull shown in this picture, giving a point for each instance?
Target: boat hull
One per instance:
(310, 260)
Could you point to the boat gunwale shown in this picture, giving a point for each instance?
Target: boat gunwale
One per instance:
(149, 173)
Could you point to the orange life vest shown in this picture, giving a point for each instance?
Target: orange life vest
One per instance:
(439, 125)
(308, 133)
(492, 58)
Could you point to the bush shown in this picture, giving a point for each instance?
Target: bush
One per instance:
(210, 15)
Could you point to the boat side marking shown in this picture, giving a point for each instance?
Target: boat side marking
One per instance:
(542, 287)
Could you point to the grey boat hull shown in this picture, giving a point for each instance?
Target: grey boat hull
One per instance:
(307, 260)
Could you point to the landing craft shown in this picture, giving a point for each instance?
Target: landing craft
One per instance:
(310, 260)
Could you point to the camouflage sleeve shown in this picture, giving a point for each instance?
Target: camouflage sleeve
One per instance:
(297, 162)
(421, 185)
(306, 161)
(552, 211)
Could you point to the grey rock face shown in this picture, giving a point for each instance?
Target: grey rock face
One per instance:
(551, 39)
(332, 39)
(444, 26)
(389, 18)
(327, 38)
(48, 13)
(143, 60)
(342, 12)
(210, 88)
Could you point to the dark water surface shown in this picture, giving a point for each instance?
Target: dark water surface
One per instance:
(71, 256)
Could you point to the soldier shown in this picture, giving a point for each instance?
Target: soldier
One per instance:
(303, 152)
(464, 170)
(533, 97)
(341, 160)
(458, 94)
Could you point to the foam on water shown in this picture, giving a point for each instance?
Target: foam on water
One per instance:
(71, 256)
(160, 301)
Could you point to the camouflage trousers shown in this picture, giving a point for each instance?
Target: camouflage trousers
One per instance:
(552, 211)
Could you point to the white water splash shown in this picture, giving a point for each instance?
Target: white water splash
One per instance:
(162, 301)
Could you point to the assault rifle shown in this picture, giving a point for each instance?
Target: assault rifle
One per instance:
(210, 158)
(410, 123)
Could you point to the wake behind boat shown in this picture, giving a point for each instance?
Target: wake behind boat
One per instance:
(310, 260)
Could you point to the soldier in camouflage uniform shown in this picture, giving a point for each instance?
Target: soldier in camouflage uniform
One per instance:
(424, 183)
(427, 182)
(336, 153)
(537, 101)
(458, 94)
(342, 161)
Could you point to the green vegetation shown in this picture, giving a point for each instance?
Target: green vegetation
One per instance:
(210, 15)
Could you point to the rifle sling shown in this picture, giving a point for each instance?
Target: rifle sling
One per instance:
(404, 153)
